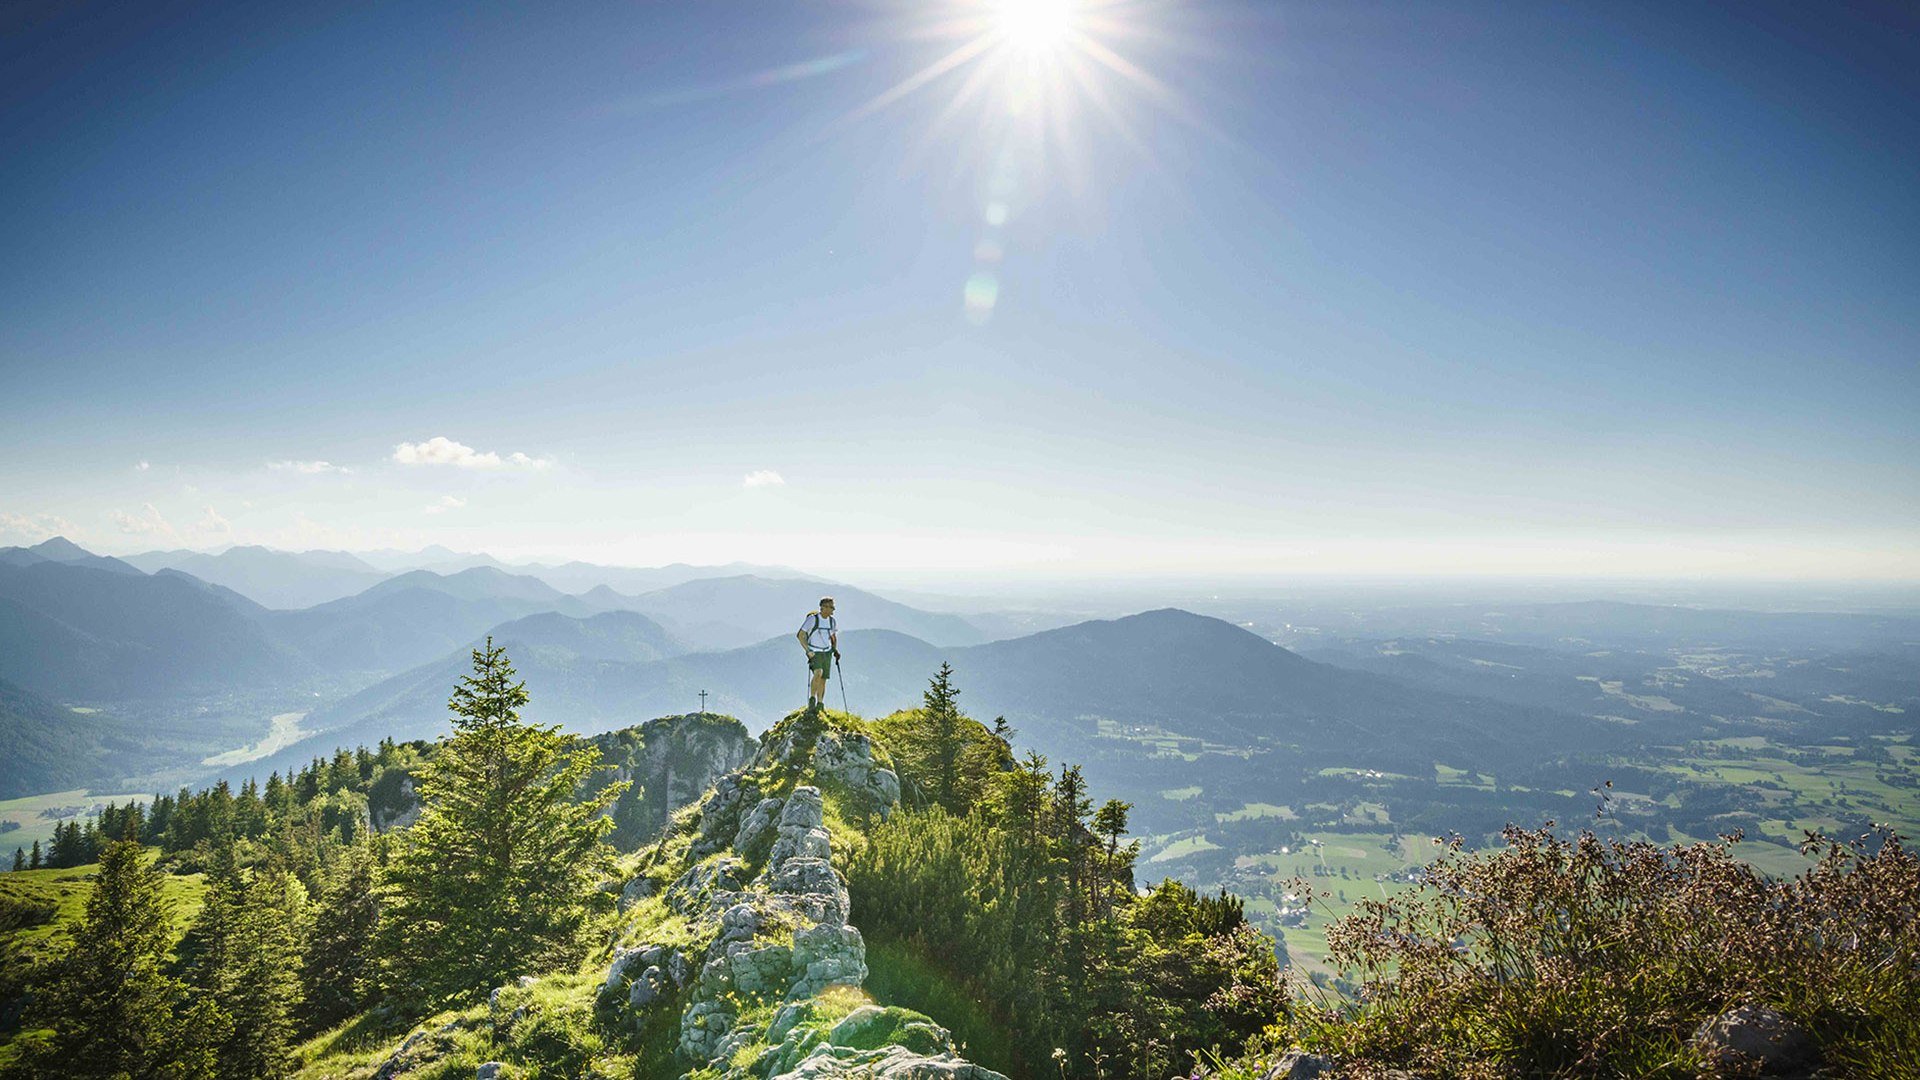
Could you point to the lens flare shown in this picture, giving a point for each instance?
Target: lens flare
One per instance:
(1048, 83)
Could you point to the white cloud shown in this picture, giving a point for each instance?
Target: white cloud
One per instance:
(762, 478)
(310, 468)
(441, 450)
(148, 522)
(33, 528)
(446, 503)
(143, 466)
(212, 523)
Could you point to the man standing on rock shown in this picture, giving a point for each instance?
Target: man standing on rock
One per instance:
(820, 640)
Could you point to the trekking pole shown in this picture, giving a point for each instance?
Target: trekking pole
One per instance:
(840, 666)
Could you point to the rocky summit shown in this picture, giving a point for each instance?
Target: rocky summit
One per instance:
(738, 931)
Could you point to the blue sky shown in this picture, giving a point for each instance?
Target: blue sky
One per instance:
(1294, 289)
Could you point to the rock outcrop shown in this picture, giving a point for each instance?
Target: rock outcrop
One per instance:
(1754, 1040)
(768, 913)
(671, 762)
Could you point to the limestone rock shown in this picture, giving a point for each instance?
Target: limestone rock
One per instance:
(702, 1027)
(871, 1027)
(693, 889)
(825, 956)
(780, 935)
(491, 1070)
(756, 828)
(886, 1063)
(762, 971)
(1299, 1065)
(846, 758)
(637, 890)
(1755, 1036)
(646, 986)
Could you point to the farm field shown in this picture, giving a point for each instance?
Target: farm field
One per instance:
(36, 815)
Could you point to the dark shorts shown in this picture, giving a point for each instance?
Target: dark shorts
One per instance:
(822, 662)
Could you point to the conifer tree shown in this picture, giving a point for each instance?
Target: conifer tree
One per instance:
(946, 741)
(34, 861)
(1110, 821)
(337, 968)
(209, 944)
(261, 990)
(113, 1009)
(495, 878)
(19, 859)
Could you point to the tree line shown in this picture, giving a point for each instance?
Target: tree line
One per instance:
(309, 916)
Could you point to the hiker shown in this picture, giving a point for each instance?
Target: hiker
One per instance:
(820, 640)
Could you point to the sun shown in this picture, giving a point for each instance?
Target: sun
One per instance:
(1035, 26)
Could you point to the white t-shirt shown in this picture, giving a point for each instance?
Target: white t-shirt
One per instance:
(819, 631)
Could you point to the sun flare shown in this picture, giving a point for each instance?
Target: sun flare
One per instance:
(1035, 26)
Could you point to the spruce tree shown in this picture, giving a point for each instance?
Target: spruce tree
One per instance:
(34, 861)
(263, 990)
(113, 1009)
(945, 738)
(1110, 822)
(496, 877)
(337, 968)
(19, 859)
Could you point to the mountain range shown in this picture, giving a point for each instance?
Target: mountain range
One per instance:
(79, 626)
(81, 629)
(1067, 690)
(274, 579)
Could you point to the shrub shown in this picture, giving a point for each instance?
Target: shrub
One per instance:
(1552, 956)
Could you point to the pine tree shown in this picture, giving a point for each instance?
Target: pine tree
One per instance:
(945, 738)
(113, 1009)
(209, 945)
(1110, 822)
(1070, 809)
(495, 878)
(34, 862)
(263, 993)
(19, 859)
(337, 969)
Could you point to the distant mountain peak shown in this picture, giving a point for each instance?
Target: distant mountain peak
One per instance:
(61, 549)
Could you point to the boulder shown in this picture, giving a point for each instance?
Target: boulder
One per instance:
(1299, 1065)
(803, 809)
(825, 956)
(637, 890)
(703, 1026)
(763, 971)
(491, 1070)
(1755, 1037)
(646, 987)
(758, 826)
(885, 1063)
(871, 1027)
(617, 970)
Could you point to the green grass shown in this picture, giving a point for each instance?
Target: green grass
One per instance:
(1253, 810)
(68, 891)
(1192, 845)
(1364, 856)
(898, 975)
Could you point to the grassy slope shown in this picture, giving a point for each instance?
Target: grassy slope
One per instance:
(68, 891)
